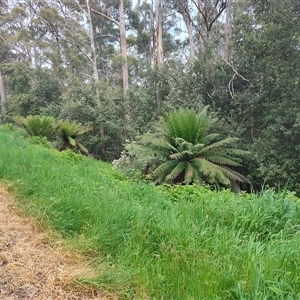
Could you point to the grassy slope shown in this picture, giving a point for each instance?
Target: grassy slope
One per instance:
(204, 245)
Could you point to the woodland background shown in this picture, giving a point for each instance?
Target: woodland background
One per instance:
(117, 66)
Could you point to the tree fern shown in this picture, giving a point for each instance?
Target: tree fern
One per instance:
(69, 132)
(37, 125)
(221, 160)
(163, 170)
(189, 154)
(179, 168)
(188, 173)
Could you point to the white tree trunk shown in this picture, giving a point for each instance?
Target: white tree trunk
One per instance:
(123, 44)
(228, 29)
(2, 98)
(185, 12)
(123, 47)
(159, 46)
(92, 42)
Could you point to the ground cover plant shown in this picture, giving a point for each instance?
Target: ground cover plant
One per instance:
(163, 242)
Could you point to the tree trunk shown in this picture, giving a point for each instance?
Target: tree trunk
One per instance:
(123, 47)
(2, 98)
(159, 46)
(209, 11)
(92, 42)
(123, 44)
(227, 29)
(184, 11)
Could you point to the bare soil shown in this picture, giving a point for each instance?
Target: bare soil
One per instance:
(34, 267)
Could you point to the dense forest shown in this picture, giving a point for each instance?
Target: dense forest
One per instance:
(118, 66)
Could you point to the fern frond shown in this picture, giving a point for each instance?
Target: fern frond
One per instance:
(37, 125)
(71, 129)
(219, 144)
(182, 143)
(187, 124)
(202, 165)
(157, 143)
(221, 177)
(234, 175)
(213, 173)
(197, 148)
(207, 139)
(82, 148)
(221, 160)
(203, 124)
(163, 170)
(238, 152)
(176, 172)
(182, 155)
(197, 176)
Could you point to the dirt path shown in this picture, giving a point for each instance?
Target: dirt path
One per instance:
(31, 267)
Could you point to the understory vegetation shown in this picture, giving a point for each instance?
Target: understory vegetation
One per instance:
(158, 242)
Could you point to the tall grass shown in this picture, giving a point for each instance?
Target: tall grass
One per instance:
(159, 243)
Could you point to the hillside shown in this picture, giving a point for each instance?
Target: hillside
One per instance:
(148, 242)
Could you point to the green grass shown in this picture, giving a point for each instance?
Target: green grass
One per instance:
(159, 242)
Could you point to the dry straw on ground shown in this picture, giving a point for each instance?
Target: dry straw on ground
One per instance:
(31, 267)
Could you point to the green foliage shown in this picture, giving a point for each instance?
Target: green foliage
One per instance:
(69, 132)
(40, 141)
(43, 126)
(175, 242)
(29, 91)
(105, 116)
(188, 125)
(265, 52)
(68, 156)
(136, 161)
(186, 193)
(251, 83)
(185, 151)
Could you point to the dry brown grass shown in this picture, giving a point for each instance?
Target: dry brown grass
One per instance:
(32, 267)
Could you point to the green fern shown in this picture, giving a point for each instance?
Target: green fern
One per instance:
(189, 154)
(69, 132)
(186, 124)
(203, 158)
(43, 126)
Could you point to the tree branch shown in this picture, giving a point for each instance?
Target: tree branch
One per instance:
(230, 84)
(107, 36)
(105, 16)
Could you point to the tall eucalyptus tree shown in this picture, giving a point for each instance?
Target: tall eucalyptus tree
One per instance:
(115, 13)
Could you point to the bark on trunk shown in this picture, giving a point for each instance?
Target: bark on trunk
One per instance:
(123, 46)
(185, 12)
(2, 98)
(92, 42)
(159, 46)
(227, 29)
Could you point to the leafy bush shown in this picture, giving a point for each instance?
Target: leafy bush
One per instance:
(40, 140)
(135, 162)
(68, 156)
(186, 192)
